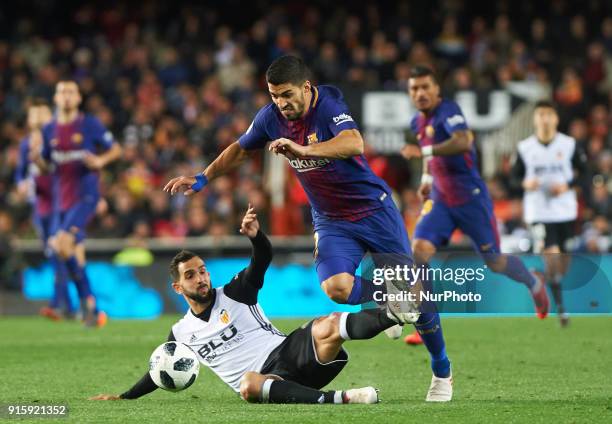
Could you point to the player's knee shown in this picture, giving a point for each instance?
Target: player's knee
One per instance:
(327, 328)
(53, 244)
(554, 249)
(338, 287)
(496, 263)
(79, 252)
(336, 293)
(250, 386)
(64, 244)
(60, 245)
(423, 250)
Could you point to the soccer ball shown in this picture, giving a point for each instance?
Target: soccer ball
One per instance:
(173, 366)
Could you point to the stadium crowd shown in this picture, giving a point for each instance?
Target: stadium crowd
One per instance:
(178, 83)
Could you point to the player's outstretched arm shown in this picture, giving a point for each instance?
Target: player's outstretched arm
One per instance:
(22, 182)
(460, 142)
(245, 286)
(517, 175)
(230, 158)
(144, 386)
(346, 144)
(262, 249)
(105, 396)
(97, 162)
(426, 181)
(580, 167)
(35, 152)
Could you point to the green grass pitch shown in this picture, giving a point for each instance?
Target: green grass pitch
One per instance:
(505, 370)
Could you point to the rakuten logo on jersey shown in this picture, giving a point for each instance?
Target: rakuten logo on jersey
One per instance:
(342, 118)
(62, 157)
(305, 165)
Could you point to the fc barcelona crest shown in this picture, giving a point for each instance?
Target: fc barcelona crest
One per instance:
(429, 131)
(77, 138)
(312, 138)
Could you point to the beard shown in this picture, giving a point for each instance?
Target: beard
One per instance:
(423, 106)
(296, 112)
(197, 297)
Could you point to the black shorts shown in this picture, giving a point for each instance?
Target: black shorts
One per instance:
(295, 360)
(553, 233)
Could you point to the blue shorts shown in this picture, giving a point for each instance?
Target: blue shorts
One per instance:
(340, 245)
(74, 220)
(42, 224)
(475, 219)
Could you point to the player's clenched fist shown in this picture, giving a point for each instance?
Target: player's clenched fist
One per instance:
(250, 225)
(188, 185)
(288, 148)
(557, 189)
(93, 162)
(531, 184)
(411, 151)
(424, 191)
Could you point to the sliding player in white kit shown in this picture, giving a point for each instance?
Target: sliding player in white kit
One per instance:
(548, 166)
(232, 336)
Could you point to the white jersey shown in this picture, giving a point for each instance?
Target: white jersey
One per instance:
(236, 338)
(550, 164)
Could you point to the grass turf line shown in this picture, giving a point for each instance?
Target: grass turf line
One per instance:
(505, 370)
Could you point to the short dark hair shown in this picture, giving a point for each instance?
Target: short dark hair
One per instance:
(39, 101)
(419, 71)
(66, 81)
(179, 258)
(287, 69)
(545, 104)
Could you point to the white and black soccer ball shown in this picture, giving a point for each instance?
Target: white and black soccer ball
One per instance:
(173, 366)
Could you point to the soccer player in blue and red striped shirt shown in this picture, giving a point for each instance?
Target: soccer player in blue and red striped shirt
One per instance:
(39, 187)
(454, 193)
(352, 209)
(78, 146)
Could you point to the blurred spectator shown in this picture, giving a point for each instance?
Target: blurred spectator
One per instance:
(541, 44)
(177, 84)
(450, 44)
(575, 45)
(9, 259)
(569, 92)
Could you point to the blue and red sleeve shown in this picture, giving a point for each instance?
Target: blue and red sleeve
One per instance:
(47, 135)
(336, 116)
(101, 136)
(21, 171)
(257, 136)
(452, 118)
